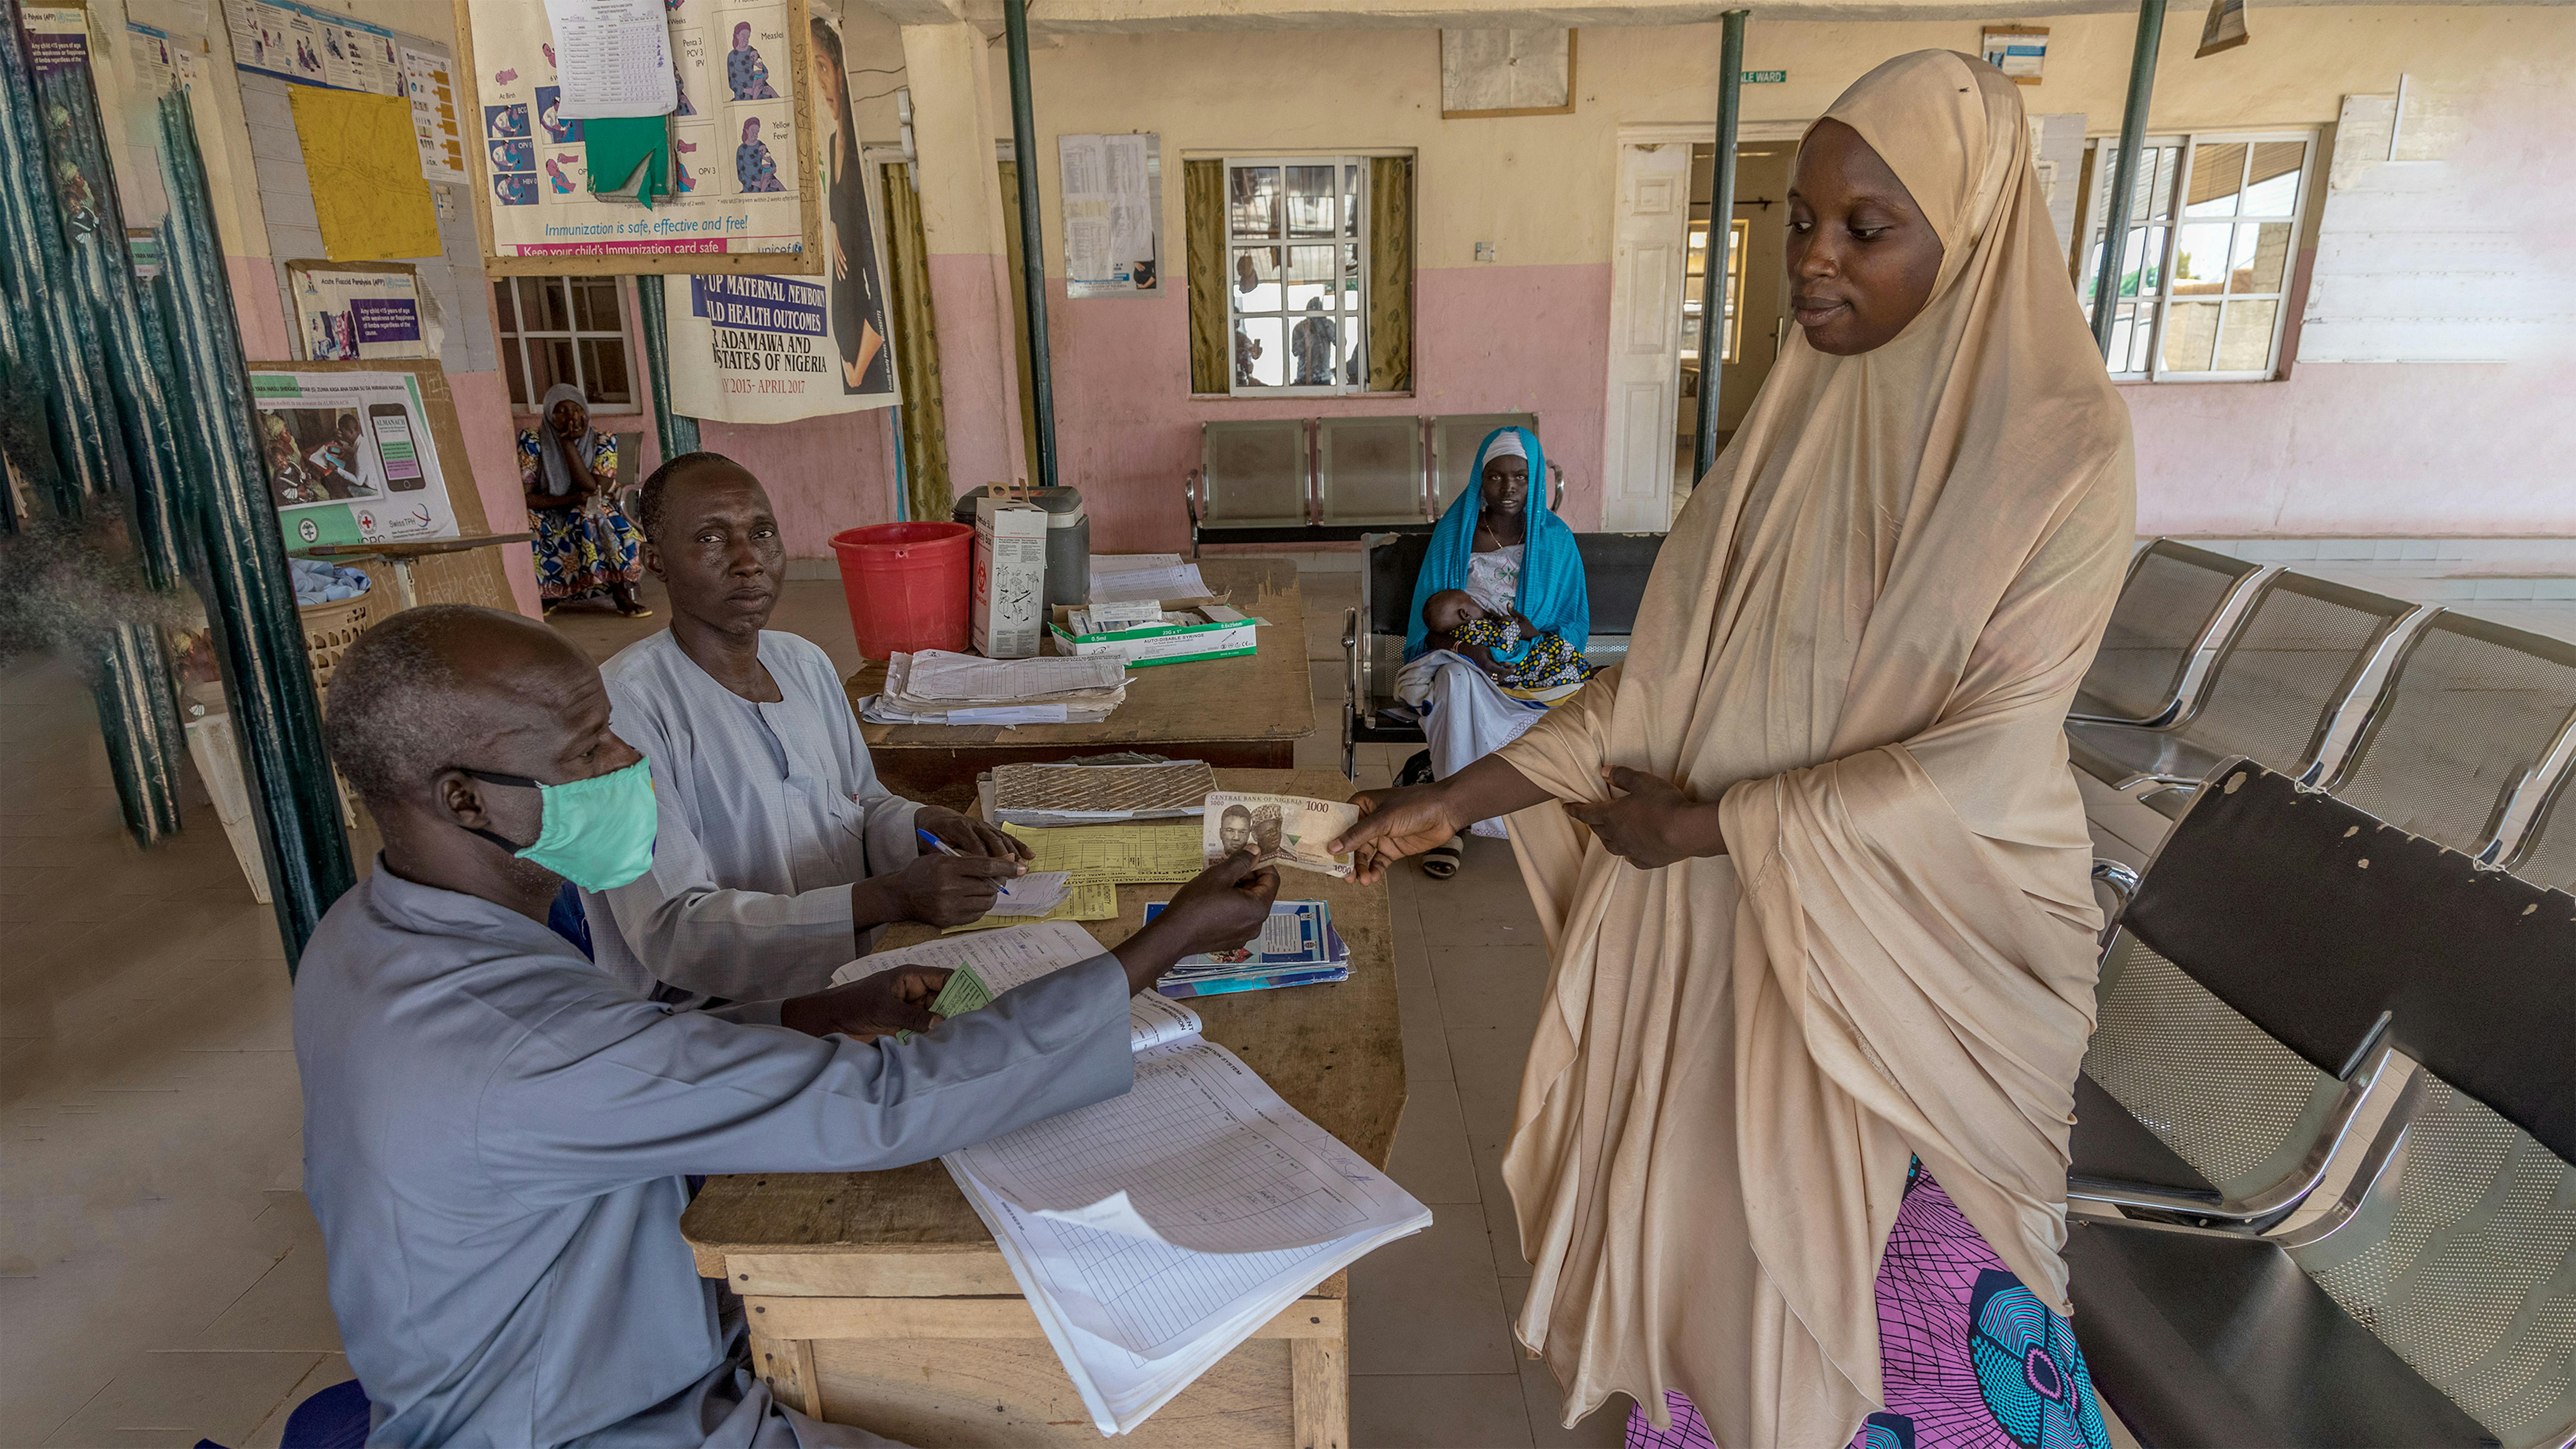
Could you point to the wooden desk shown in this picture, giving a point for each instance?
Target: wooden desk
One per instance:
(879, 1299)
(1247, 712)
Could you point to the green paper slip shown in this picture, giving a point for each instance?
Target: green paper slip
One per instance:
(628, 156)
(964, 992)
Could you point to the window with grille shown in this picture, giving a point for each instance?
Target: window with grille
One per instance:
(565, 329)
(1297, 245)
(2205, 266)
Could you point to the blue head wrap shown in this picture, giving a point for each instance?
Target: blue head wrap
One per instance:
(1551, 588)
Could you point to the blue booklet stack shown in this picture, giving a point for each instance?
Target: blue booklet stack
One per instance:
(1298, 947)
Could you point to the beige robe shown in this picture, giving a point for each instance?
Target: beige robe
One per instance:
(1861, 638)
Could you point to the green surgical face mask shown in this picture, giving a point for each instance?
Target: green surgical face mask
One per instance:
(596, 833)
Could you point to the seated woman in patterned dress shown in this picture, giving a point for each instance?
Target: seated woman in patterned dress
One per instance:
(584, 546)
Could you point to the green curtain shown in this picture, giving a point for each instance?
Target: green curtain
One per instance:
(927, 493)
(1390, 321)
(1203, 228)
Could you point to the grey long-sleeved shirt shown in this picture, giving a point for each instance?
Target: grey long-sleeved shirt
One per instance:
(768, 813)
(495, 1135)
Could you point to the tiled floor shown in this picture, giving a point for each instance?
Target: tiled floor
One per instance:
(162, 1280)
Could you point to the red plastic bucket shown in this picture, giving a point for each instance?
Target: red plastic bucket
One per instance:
(908, 585)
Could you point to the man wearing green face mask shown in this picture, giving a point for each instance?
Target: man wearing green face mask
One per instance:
(781, 853)
(496, 1133)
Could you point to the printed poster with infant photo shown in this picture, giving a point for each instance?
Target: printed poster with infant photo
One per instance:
(772, 349)
(739, 203)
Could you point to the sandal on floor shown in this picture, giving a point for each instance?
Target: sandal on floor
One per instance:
(1440, 862)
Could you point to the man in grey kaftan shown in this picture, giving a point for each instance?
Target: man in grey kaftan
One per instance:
(768, 813)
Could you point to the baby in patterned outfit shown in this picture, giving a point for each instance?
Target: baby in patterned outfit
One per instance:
(1456, 622)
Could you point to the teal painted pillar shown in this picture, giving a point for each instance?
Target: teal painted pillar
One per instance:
(2124, 176)
(676, 434)
(1713, 269)
(1024, 144)
(248, 591)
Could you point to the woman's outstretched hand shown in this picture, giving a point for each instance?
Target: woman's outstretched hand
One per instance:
(1394, 824)
(1650, 823)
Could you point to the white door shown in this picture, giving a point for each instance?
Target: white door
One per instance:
(1647, 264)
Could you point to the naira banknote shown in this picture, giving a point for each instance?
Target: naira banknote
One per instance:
(1289, 830)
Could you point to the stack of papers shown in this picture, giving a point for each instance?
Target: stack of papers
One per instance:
(1140, 853)
(937, 687)
(1154, 1232)
(1093, 794)
(1127, 578)
(1298, 947)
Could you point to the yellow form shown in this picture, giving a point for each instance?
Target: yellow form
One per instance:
(1151, 850)
(364, 163)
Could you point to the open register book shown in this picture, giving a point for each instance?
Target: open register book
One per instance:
(1153, 1232)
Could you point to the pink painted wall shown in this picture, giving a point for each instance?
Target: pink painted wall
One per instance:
(262, 315)
(2392, 449)
(970, 300)
(1486, 339)
(492, 452)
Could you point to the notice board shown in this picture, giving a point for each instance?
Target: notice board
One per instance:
(745, 192)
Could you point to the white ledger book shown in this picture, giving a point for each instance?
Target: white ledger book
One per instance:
(1153, 1232)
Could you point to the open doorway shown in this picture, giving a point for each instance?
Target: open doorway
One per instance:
(1749, 325)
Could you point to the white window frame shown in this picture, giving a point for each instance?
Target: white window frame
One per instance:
(515, 336)
(1352, 320)
(1739, 242)
(2105, 150)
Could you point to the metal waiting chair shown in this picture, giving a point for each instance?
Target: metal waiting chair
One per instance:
(2432, 1299)
(2176, 605)
(2468, 722)
(1453, 450)
(2546, 854)
(1368, 472)
(1252, 480)
(2287, 671)
(1615, 569)
(2238, 1016)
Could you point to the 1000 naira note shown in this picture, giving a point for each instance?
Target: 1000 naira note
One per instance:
(1287, 830)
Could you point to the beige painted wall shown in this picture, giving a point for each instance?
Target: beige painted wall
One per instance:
(1539, 186)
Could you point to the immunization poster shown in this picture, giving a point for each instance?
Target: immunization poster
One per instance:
(759, 349)
(733, 139)
(349, 458)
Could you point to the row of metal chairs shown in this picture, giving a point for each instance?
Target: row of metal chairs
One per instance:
(2454, 728)
(2286, 1270)
(1332, 480)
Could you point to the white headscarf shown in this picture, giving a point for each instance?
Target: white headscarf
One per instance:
(550, 456)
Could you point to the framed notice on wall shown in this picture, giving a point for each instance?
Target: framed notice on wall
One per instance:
(742, 195)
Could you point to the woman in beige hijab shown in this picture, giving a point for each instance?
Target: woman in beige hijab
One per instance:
(1791, 1142)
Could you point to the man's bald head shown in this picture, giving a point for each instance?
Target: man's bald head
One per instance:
(448, 685)
(653, 503)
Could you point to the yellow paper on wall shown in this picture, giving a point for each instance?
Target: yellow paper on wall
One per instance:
(364, 163)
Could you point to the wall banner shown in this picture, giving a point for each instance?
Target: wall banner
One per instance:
(769, 349)
(350, 458)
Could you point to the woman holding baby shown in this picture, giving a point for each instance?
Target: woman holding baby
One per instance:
(1498, 612)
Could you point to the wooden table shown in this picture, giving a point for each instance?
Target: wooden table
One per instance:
(879, 1299)
(1247, 712)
